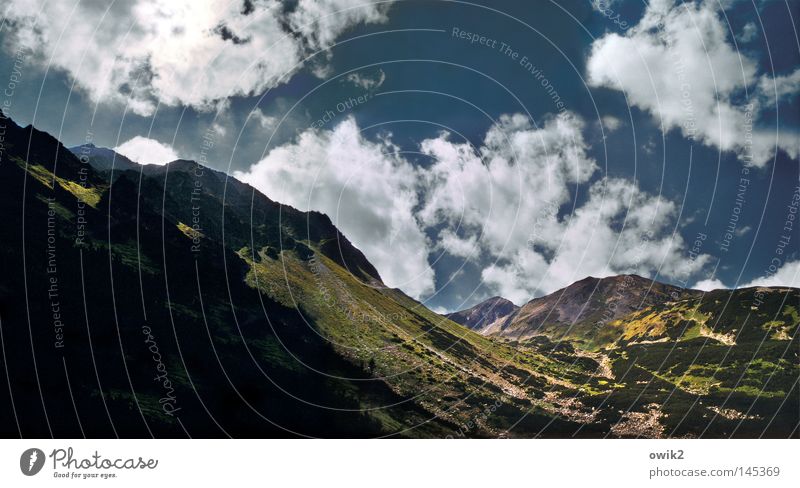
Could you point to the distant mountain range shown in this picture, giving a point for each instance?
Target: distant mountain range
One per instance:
(572, 312)
(175, 301)
(604, 313)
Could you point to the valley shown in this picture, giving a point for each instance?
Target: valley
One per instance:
(271, 323)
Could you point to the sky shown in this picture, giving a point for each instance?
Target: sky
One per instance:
(468, 149)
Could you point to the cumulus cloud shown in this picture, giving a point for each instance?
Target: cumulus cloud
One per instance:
(366, 81)
(620, 229)
(501, 187)
(678, 64)
(458, 246)
(749, 32)
(147, 151)
(319, 23)
(507, 206)
(513, 194)
(267, 122)
(611, 123)
(603, 6)
(786, 275)
(780, 87)
(180, 52)
(366, 189)
(709, 285)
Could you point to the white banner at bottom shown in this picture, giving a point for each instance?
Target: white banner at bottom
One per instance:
(399, 463)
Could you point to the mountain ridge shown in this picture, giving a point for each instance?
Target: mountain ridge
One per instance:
(568, 311)
(103, 158)
(486, 316)
(269, 323)
(238, 194)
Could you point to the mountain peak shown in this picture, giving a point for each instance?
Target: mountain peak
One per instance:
(586, 303)
(615, 278)
(103, 159)
(487, 316)
(608, 282)
(498, 298)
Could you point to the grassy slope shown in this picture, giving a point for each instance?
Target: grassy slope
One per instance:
(718, 364)
(449, 370)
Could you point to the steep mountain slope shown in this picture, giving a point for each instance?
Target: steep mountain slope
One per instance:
(486, 317)
(103, 291)
(258, 319)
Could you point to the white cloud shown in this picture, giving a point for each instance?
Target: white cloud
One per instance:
(147, 151)
(366, 189)
(780, 87)
(503, 186)
(320, 22)
(219, 129)
(620, 229)
(505, 206)
(457, 246)
(749, 32)
(604, 6)
(509, 281)
(611, 123)
(677, 64)
(366, 81)
(440, 310)
(786, 275)
(509, 192)
(709, 285)
(267, 122)
(180, 52)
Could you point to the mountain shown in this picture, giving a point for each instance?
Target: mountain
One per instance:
(255, 318)
(694, 363)
(103, 159)
(487, 316)
(719, 316)
(576, 311)
(175, 301)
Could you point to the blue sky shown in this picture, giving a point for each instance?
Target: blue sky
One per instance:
(469, 150)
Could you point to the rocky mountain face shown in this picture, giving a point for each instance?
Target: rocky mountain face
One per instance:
(486, 317)
(586, 305)
(256, 319)
(575, 311)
